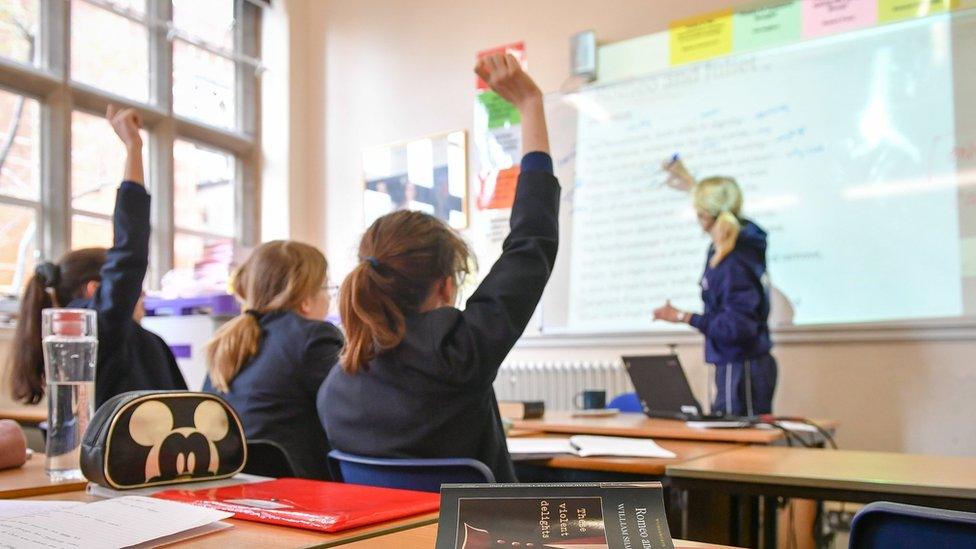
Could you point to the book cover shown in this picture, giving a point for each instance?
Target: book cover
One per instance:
(555, 516)
(310, 504)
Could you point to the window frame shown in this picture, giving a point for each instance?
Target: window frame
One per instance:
(49, 82)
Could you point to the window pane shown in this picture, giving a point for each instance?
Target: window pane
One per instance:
(97, 163)
(204, 195)
(203, 85)
(109, 51)
(191, 252)
(19, 147)
(212, 21)
(90, 232)
(18, 244)
(18, 29)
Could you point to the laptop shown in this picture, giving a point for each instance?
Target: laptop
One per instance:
(663, 388)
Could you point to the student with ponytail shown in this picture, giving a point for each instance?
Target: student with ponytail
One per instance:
(416, 376)
(735, 292)
(269, 362)
(110, 282)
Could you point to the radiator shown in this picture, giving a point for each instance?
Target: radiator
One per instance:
(557, 383)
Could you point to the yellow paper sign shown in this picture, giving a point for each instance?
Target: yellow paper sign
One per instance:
(702, 37)
(896, 10)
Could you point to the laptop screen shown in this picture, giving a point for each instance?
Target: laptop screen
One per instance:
(661, 385)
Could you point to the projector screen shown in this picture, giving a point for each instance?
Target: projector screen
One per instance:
(856, 152)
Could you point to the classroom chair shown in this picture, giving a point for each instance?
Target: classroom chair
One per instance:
(895, 526)
(425, 475)
(267, 459)
(626, 402)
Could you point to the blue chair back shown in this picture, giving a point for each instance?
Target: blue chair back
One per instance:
(898, 526)
(425, 475)
(626, 402)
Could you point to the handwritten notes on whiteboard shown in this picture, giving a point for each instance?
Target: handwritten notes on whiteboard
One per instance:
(828, 142)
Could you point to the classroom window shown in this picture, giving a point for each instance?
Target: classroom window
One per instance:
(18, 30)
(204, 195)
(111, 51)
(19, 189)
(189, 67)
(203, 85)
(89, 231)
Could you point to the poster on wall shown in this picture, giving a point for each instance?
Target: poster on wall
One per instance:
(428, 174)
(497, 139)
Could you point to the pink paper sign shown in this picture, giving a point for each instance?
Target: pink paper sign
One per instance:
(823, 17)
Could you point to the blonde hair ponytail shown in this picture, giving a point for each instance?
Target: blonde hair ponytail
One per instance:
(279, 275)
(231, 347)
(720, 198)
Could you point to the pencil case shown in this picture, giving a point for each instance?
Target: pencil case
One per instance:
(141, 439)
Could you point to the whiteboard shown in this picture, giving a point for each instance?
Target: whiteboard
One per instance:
(856, 152)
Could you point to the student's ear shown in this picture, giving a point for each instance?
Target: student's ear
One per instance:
(90, 288)
(447, 290)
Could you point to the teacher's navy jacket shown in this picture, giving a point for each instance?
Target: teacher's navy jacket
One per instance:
(736, 298)
(432, 396)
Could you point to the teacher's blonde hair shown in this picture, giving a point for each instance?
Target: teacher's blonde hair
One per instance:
(720, 198)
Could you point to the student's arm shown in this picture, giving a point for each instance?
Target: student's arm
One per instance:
(128, 258)
(499, 310)
(737, 319)
(322, 350)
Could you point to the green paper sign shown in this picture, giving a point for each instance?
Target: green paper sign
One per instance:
(501, 113)
(766, 26)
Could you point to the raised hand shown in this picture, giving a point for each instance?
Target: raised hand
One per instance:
(504, 74)
(126, 123)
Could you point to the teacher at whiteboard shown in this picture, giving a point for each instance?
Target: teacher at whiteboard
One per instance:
(735, 292)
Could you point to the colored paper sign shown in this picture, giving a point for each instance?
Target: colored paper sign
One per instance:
(701, 37)
(823, 17)
(896, 10)
(516, 48)
(766, 26)
(634, 57)
(501, 113)
(502, 195)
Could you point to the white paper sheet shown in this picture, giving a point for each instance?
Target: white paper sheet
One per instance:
(589, 445)
(118, 522)
(10, 508)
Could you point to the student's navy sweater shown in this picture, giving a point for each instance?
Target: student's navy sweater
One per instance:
(432, 396)
(274, 393)
(130, 358)
(736, 301)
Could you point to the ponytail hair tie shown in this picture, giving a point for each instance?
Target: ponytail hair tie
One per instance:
(253, 314)
(373, 262)
(49, 274)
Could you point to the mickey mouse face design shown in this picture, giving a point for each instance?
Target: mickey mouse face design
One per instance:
(181, 452)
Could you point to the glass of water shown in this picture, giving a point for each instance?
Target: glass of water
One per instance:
(70, 340)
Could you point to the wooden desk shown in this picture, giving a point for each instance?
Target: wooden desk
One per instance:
(247, 534)
(835, 475)
(654, 467)
(425, 536)
(25, 415)
(631, 424)
(31, 480)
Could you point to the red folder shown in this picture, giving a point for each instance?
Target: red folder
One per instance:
(310, 504)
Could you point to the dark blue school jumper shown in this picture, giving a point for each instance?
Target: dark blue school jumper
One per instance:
(432, 396)
(274, 393)
(734, 323)
(130, 358)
